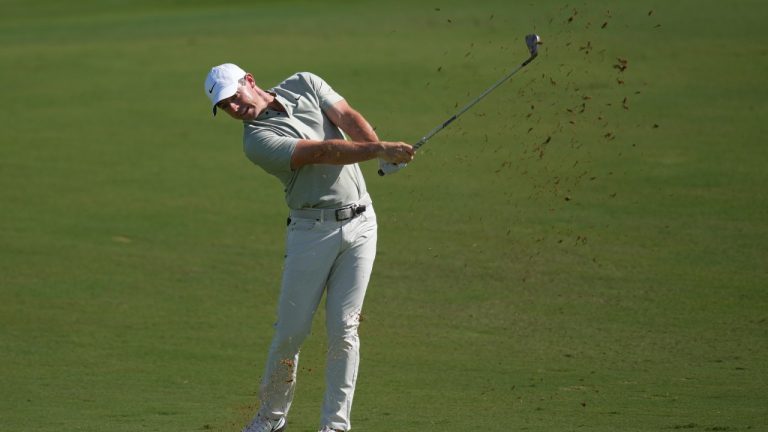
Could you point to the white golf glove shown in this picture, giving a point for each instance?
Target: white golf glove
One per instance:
(386, 168)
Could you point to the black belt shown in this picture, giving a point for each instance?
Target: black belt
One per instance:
(321, 215)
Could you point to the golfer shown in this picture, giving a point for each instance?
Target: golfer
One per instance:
(294, 132)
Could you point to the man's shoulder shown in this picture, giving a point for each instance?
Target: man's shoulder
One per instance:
(257, 130)
(304, 76)
(301, 81)
(260, 139)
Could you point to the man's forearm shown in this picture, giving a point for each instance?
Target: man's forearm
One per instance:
(357, 127)
(343, 152)
(364, 144)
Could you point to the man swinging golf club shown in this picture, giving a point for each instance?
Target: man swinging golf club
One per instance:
(294, 132)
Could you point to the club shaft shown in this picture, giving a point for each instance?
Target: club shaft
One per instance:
(466, 107)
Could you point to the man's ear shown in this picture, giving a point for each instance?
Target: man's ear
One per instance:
(249, 79)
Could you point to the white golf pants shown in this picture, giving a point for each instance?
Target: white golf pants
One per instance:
(320, 255)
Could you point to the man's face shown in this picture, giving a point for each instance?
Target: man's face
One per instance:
(245, 104)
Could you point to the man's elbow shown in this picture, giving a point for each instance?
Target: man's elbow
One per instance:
(315, 153)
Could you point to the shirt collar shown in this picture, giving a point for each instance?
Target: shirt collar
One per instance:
(288, 103)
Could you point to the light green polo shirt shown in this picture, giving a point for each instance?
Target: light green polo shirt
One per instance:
(269, 141)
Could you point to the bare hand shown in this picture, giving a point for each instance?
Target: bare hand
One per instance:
(396, 152)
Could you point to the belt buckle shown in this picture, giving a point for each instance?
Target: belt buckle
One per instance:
(350, 212)
(345, 213)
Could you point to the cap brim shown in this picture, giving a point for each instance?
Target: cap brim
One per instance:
(223, 93)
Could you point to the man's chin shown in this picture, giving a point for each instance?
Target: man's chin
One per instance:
(246, 116)
(249, 114)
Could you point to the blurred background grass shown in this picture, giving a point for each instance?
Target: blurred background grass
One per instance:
(585, 249)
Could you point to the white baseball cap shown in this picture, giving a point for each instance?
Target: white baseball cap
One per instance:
(222, 82)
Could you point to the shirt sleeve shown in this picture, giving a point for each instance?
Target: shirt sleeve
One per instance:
(326, 95)
(270, 151)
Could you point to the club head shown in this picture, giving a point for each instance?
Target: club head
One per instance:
(533, 41)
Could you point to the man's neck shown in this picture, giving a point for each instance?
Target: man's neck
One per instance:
(275, 104)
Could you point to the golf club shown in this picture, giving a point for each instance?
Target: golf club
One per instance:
(532, 41)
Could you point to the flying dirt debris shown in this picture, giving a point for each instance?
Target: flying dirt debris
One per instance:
(621, 65)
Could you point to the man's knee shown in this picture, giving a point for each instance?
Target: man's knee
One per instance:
(345, 327)
(292, 335)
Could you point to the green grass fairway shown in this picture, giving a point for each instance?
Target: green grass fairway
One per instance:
(584, 250)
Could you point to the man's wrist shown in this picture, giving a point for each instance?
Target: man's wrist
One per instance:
(380, 149)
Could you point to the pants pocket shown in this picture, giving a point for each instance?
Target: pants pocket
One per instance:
(302, 225)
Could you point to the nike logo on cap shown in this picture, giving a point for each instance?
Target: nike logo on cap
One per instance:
(211, 89)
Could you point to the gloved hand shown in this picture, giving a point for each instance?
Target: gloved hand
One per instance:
(386, 168)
